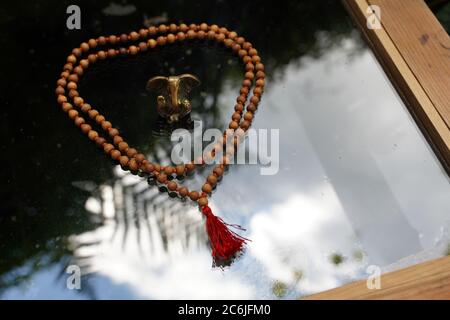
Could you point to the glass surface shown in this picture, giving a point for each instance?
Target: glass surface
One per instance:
(357, 185)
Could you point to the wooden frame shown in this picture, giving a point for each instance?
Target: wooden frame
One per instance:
(414, 50)
(428, 280)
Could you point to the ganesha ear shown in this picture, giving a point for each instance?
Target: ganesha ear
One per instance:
(189, 81)
(157, 83)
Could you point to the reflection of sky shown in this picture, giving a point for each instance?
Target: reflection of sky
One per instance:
(355, 176)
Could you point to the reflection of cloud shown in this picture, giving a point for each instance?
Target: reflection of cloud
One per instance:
(155, 246)
(299, 235)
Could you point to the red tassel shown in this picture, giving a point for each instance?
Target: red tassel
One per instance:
(225, 243)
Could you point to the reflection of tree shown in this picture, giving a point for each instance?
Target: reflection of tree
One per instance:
(43, 154)
(136, 216)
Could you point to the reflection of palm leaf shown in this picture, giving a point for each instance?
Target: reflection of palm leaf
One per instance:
(143, 210)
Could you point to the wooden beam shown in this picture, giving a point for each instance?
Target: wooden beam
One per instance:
(414, 50)
(429, 280)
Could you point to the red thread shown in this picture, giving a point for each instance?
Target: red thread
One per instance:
(225, 243)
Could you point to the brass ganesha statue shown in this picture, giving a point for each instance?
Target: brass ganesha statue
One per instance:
(173, 101)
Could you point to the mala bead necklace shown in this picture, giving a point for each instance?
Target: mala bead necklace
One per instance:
(225, 243)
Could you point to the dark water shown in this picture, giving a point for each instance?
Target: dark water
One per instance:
(357, 183)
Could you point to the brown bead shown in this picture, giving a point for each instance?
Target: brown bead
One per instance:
(252, 52)
(194, 195)
(162, 178)
(173, 27)
(236, 116)
(162, 28)
(131, 152)
(123, 38)
(85, 128)
(152, 30)
(203, 201)
(149, 167)
(239, 107)
(247, 59)
(73, 113)
(232, 35)
(228, 42)
(258, 91)
(151, 43)
(73, 77)
(92, 43)
(92, 134)
(79, 121)
(251, 107)
(249, 75)
(142, 46)
(218, 171)
(181, 36)
(61, 82)
(101, 40)
(171, 38)
(220, 37)
(190, 166)
(191, 34)
(247, 45)
(254, 100)
(115, 154)
(244, 91)
(256, 59)
(72, 86)
(172, 186)
(113, 132)
(61, 99)
(123, 160)
(92, 113)
(71, 59)
(143, 33)
(123, 146)
(248, 116)
(100, 141)
(108, 147)
(101, 55)
(139, 157)
(134, 36)
(179, 170)
(242, 53)
(60, 91)
(184, 27)
(212, 179)
(161, 40)
(73, 93)
(234, 125)
(133, 50)
(133, 165)
(84, 47)
(201, 34)
(183, 191)
(66, 106)
(77, 52)
(249, 67)
(111, 53)
(85, 107)
(84, 63)
(78, 70)
(211, 35)
(99, 119)
(169, 170)
(245, 124)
